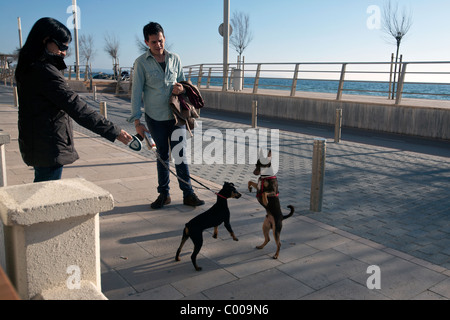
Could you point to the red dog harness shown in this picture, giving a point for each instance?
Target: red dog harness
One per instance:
(258, 194)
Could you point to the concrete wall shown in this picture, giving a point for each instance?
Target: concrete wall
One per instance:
(410, 120)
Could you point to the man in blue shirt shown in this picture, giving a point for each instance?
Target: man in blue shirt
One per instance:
(156, 77)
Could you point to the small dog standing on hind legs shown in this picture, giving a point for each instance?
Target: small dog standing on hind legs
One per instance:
(267, 195)
(212, 217)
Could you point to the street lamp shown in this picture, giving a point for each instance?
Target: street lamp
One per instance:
(226, 41)
(75, 30)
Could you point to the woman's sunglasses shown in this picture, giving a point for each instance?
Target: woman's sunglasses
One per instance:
(61, 46)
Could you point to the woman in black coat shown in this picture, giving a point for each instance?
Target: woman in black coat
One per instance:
(46, 103)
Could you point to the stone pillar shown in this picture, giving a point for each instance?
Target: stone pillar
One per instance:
(52, 238)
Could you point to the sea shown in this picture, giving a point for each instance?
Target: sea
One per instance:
(438, 91)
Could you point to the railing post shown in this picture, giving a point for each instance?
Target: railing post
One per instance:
(401, 83)
(189, 74)
(255, 85)
(390, 95)
(318, 173)
(341, 82)
(294, 80)
(199, 78)
(52, 238)
(208, 82)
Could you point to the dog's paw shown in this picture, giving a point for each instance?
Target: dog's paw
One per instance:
(198, 269)
(214, 236)
(235, 239)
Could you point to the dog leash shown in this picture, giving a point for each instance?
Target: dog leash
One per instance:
(136, 145)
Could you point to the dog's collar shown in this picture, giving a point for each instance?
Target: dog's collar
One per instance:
(268, 177)
(221, 196)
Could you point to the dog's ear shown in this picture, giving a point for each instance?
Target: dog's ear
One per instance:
(264, 160)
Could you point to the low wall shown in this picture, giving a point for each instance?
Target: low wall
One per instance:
(410, 120)
(52, 238)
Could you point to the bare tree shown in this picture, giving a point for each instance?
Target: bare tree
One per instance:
(86, 47)
(397, 25)
(112, 48)
(142, 46)
(242, 35)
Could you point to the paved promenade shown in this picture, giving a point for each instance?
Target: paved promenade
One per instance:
(386, 203)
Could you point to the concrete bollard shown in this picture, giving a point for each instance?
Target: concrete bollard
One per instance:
(52, 238)
(254, 114)
(103, 109)
(95, 93)
(16, 98)
(338, 126)
(318, 173)
(4, 139)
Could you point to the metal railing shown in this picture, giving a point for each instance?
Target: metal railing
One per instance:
(429, 79)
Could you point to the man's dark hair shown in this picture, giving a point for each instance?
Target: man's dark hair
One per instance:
(151, 29)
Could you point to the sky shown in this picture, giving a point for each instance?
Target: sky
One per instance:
(283, 30)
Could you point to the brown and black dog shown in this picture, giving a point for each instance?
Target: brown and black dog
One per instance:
(212, 217)
(267, 195)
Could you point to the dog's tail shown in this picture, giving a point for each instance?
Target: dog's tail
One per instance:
(290, 213)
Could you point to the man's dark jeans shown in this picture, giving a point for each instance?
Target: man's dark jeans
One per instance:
(161, 132)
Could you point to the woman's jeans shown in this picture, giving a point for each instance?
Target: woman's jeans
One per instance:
(161, 132)
(47, 173)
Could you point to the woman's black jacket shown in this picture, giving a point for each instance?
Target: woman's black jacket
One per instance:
(46, 104)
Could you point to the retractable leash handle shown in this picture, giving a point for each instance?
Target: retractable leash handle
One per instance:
(136, 144)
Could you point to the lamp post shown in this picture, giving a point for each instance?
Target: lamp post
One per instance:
(75, 31)
(19, 23)
(226, 40)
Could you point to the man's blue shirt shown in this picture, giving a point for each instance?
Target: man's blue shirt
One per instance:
(152, 87)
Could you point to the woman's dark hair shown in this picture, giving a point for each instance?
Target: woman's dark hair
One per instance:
(35, 44)
(151, 29)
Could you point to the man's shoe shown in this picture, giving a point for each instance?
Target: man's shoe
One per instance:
(193, 201)
(161, 201)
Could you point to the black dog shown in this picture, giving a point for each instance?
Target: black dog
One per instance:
(212, 217)
(267, 195)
